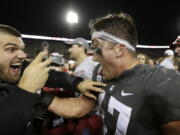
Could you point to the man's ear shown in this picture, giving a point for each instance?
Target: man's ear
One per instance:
(119, 50)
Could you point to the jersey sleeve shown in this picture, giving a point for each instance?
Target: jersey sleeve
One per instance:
(163, 93)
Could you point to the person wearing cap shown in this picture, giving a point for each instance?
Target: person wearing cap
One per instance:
(176, 47)
(84, 64)
(138, 99)
(168, 60)
(57, 61)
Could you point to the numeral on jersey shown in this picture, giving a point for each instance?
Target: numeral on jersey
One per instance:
(124, 115)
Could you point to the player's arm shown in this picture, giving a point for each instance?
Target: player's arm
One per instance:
(34, 78)
(71, 107)
(171, 128)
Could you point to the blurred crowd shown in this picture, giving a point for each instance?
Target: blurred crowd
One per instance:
(170, 58)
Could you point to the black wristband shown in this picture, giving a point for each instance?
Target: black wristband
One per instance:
(46, 99)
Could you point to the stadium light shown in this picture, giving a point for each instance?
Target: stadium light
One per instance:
(72, 18)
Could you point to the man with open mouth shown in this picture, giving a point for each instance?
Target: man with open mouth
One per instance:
(20, 104)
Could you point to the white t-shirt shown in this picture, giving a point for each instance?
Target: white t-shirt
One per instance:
(86, 68)
(168, 63)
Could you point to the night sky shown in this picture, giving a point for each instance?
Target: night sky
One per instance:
(158, 22)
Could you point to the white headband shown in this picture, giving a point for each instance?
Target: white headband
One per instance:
(112, 38)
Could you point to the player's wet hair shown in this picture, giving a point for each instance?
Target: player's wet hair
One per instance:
(120, 25)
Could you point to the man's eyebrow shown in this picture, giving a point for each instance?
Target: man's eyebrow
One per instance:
(13, 44)
(8, 44)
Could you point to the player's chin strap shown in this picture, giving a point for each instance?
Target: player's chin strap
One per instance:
(109, 37)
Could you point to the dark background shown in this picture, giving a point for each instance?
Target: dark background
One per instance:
(158, 22)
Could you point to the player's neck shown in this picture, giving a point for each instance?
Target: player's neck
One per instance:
(121, 66)
(131, 64)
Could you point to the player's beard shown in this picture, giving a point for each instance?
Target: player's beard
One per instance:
(97, 54)
(7, 75)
